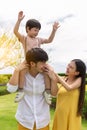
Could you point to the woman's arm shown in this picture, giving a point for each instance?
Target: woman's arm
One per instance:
(75, 84)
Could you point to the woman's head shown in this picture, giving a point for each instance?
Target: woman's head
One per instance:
(76, 68)
(80, 67)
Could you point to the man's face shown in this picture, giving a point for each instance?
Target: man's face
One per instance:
(38, 67)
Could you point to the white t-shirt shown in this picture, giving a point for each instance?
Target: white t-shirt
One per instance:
(33, 107)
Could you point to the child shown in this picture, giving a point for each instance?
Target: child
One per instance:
(31, 41)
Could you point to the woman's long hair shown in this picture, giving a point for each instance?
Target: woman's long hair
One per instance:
(81, 68)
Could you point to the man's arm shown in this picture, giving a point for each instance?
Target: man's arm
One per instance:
(12, 85)
(14, 78)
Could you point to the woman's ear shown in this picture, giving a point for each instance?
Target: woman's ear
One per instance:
(77, 73)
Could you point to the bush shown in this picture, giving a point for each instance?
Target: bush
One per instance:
(85, 107)
(3, 90)
(53, 105)
(4, 79)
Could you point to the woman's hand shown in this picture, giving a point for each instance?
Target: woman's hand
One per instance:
(49, 71)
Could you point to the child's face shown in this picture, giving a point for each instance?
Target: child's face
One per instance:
(33, 32)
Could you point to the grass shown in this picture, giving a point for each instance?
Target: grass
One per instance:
(7, 113)
(86, 88)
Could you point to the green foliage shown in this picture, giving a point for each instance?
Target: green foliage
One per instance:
(4, 78)
(3, 90)
(61, 74)
(53, 105)
(3, 81)
(85, 107)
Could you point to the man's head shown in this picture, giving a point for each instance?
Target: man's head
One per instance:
(36, 58)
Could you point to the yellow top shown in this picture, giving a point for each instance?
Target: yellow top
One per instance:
(65, 117)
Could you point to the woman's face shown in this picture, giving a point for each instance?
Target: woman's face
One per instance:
(71, 68)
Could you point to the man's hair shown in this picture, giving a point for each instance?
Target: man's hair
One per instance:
(36, 55)
(31, 23)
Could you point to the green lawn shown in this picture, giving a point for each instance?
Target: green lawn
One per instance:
(7, 113)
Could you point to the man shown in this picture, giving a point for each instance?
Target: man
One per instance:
(33, 112)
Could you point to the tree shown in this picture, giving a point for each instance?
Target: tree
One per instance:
(11, 51)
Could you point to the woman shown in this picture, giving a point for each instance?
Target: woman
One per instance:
(70, 97)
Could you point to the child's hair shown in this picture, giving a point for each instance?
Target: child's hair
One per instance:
(36, 55)
(81, 68)
(31, 23)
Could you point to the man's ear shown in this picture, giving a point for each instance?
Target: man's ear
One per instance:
(32, 64)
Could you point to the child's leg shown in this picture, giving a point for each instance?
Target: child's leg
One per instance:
(21, 80)
(20, 93)
(47, 92)
(47, 83)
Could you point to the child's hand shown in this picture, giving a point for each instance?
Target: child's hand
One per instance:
(56, 26)
(20, 15)
(22, 66)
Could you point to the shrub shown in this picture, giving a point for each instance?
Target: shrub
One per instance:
(53, 105)
(85, 107)
(3, 90)
(4, 79)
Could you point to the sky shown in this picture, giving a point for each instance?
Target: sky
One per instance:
(70, 41)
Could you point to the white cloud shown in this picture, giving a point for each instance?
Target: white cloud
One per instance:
(71, 38)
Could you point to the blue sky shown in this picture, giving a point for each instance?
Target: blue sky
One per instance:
(71, 38)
